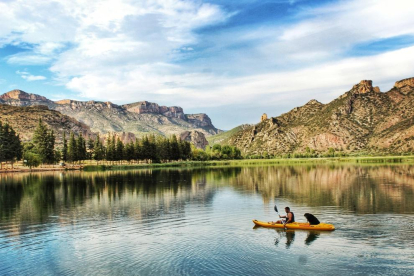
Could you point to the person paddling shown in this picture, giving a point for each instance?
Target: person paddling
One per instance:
(290, 217)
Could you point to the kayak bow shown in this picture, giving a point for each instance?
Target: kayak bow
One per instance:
(296, 225)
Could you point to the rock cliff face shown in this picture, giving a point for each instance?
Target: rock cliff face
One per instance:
(138, 118)
(195, 137)
(147, 107)
(21, 98)
(363, 119)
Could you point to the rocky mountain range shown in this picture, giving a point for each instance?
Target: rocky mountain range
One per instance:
(138, 118)
(364, 119)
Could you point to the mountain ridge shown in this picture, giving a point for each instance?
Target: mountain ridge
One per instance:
(363, 119)
(139, 118)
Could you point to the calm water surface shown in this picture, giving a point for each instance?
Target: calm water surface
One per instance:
(199, 221)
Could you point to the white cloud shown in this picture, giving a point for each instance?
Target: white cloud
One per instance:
(28, 59)
(29, 77)
(129, 50)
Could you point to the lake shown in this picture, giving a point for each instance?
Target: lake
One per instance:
(199, 221)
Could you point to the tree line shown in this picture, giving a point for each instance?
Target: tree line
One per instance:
(75, 148)
(151, 148)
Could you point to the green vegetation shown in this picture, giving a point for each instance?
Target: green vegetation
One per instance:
(217, 152)
(10, 144)
(221, 138)
(147, 150)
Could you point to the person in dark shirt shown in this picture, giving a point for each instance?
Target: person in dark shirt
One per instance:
(311, 219)
(290, 217)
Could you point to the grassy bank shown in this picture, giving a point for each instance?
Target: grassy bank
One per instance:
(258, 162)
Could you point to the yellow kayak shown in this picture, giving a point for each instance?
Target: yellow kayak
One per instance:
(297, 225)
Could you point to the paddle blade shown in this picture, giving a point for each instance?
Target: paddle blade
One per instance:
(276, 209)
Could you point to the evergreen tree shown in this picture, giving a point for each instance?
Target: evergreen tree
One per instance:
(111, 148)
(146, 148)
(10, 144)
(44, 142)
(175, 149)
(129, 152)
(90, 149)
(81, 148)
(153, 149)
(185, 150)
(72, 149)
(99, 150)
(65, 148)
(163, 149)
(138, 153)
(119, 153)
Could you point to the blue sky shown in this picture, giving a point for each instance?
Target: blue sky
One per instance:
(233, 60)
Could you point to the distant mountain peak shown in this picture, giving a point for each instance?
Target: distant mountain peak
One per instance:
(17, 94)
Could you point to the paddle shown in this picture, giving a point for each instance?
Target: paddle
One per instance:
(279, 215)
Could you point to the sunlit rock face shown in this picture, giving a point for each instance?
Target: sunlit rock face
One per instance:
(361, 120)
(140, 118)
(194, 137)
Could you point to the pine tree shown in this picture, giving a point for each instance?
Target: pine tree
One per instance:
(81, 148)
(119, 153)
(111, 148)
(44, 142)
(10, 144)
(65, 148)
(175, 150)
(146, 148)
(72, 149)
(129, 151)
(99, 150)
(90, 149)
(138, 154)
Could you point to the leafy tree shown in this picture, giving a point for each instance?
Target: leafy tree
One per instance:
(31, 159)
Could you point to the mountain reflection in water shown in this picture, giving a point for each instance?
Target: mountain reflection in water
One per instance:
(199, 221)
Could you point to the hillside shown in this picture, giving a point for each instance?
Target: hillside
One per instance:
(223, 137)
(138, 118)
(25, 119)
(361, 120)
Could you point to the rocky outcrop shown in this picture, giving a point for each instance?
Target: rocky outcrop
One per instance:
(405, 85)
(147, 107)
(195, 137)
(21, 98)
(362, 119)
(365, 86)
(139, 118)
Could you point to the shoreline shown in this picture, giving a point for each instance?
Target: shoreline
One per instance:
(90, 167)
